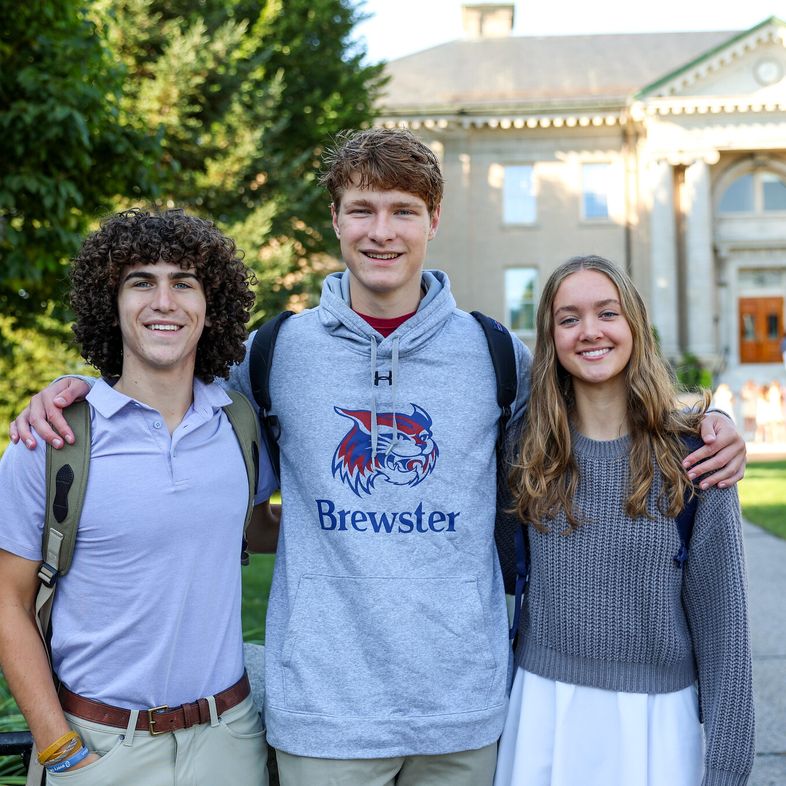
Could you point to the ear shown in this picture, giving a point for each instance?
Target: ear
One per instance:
(334, 217)
(434, 221)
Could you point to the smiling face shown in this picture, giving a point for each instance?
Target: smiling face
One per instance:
(161, 310)
(592, 337)
(384, 236)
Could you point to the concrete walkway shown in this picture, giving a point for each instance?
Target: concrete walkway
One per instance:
(766, 558)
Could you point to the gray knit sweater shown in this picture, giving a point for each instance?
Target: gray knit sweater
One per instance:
(608, 607)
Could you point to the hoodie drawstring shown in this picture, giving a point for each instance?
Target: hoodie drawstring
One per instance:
(394, 391)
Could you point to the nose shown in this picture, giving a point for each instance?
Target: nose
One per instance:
(163, 300)
(382, 228)
(590, 329)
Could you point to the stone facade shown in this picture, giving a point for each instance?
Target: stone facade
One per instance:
(663, 152)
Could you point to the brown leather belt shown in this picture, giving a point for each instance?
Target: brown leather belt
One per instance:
(156, 720)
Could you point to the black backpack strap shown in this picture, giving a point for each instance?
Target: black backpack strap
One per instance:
(687, 515)
(260, 363)
(503, 356)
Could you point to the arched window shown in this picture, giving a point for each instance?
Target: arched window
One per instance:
(755, 192)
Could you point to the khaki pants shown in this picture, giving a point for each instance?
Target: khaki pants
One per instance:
(465, 768)
(231, 749)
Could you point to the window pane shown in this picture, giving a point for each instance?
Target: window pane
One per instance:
(738, 197)
(774, 192)
(518, 195)
(772, 327)
(595, 190)
(520, 285)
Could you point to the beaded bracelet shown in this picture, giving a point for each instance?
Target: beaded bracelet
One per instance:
(59, 743)
(68, 763)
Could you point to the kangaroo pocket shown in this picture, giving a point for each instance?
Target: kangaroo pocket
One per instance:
(371, 647)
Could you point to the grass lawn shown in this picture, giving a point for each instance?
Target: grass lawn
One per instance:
(763, 495)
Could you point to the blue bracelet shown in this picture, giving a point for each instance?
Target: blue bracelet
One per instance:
(68, 763)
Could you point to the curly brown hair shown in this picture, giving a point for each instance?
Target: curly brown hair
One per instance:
(139, 237)
(382, 158)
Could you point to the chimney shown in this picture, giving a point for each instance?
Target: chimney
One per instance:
(487, 20)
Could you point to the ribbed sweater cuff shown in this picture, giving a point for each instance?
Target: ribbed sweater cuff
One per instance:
(723, 778)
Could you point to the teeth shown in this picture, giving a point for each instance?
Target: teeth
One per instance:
(381, 256)
(163, 327)
(595, 353)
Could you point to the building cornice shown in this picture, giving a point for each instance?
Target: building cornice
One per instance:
(772, 30)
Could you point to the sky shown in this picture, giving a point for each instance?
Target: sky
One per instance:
(400, 27)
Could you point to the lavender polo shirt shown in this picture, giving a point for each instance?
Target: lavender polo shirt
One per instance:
(149, 613)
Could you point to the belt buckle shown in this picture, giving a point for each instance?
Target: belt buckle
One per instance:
(151, 721)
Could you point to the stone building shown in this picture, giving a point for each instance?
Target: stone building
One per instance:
(665, 152)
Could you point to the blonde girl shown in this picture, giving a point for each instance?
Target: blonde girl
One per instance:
(622, 651)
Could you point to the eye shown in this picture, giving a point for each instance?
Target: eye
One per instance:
(608, 314)
(140, 283)
(567, 321)
(183, 285)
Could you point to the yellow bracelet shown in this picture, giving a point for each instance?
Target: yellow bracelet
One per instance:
(47, 752)
(65, 751)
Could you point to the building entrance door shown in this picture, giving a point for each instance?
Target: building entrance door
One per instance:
(761, 329)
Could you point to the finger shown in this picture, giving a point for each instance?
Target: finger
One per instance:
(13, 433)
(39, 420)
(707, 429)
(22, 427)
(699, 455)
(724, 477)
(724, 468)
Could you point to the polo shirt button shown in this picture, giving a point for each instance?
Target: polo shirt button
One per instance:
(157, 424)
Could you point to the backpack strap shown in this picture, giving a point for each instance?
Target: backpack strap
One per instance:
(246, 427)
(260, 363)
(66, 481)
(503, 356)
(687, 515)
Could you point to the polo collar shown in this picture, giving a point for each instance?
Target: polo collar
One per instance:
(108, 402)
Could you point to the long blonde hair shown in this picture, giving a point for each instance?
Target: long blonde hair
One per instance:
(544, 477)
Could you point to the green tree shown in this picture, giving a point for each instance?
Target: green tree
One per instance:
(246, 93)
(66, 149)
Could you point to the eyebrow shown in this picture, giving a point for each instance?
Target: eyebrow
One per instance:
(596, 304)
(147, 276)
(395, 205)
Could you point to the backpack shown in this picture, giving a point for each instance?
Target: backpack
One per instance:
(503, 357)
(684, 523)
(66, 481)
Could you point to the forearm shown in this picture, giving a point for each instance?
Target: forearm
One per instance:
(26, 669)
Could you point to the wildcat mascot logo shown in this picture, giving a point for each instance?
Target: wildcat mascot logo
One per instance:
(406, 461)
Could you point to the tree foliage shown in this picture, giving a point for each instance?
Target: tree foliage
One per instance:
(66, 149)
(246, 94)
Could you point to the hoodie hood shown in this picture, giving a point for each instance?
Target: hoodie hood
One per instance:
(339, 319)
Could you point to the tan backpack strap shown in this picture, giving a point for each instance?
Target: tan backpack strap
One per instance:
(66, 481)
(245, 424)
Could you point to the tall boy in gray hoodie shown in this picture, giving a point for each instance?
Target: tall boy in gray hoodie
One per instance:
(387, 650)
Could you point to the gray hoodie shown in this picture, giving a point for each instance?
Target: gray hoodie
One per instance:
(386, 628)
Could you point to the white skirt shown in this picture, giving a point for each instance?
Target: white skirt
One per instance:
(558, 734)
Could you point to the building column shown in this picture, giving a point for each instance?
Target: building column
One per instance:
(699, 278)
(663, 261)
